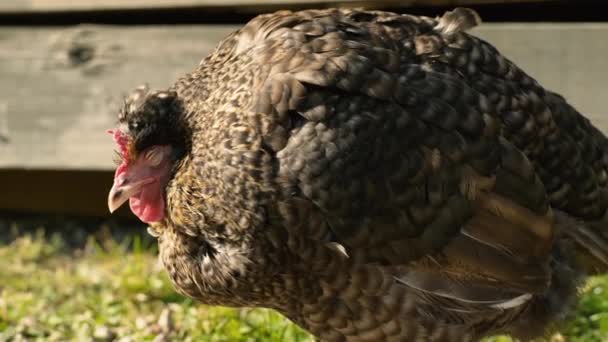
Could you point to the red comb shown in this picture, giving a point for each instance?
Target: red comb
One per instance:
(122, 140)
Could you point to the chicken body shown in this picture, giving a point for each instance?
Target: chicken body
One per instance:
(379, 177)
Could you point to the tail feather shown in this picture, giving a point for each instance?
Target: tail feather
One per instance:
(548, 311)
(591, 246)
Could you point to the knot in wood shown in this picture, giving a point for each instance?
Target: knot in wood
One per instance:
(79, 54)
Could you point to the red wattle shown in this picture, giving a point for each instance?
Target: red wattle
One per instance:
(148, 205)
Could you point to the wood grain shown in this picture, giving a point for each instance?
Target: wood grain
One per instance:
(60, 88)
(24, 6)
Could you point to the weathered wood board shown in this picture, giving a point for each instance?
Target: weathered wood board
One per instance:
(24, 6)
(60, 88)
(570, 59)
(97, 5)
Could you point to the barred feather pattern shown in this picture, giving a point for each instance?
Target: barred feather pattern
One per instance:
(380, 177)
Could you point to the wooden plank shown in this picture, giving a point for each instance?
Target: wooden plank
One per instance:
(73, 192)
(21, 6)
(567, 58)
(60, 88)
(96, 5)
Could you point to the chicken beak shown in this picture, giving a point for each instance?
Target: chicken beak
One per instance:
(122, 190)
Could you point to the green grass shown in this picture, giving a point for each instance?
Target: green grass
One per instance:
(106, 291)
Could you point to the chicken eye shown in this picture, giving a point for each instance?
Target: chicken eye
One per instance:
(153, 156)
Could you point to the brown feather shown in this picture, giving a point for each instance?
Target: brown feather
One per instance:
(376, 176)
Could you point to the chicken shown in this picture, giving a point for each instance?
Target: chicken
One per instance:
(370, 175)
